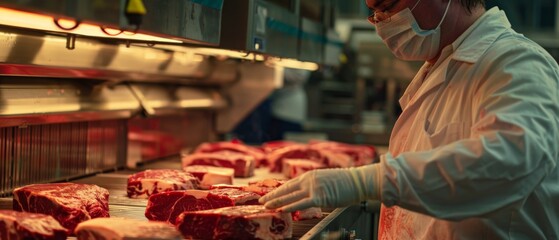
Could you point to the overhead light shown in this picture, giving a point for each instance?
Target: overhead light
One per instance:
(292, 63)
(220, 53)
(225, 53)
(275, 61)
(15, 18)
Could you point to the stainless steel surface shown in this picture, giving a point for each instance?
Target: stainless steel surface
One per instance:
(31, 101)
(174, 117)
(182, 117)
(207, 95)
(6, 203)
(256, 83)
(371, 206)
(185, 20)
(32, 53)
(158, 98)
(58, 152)
(161, 136)
(106, 12)
(147, 108)
(259, 26)
(63, 127)
(351, 218)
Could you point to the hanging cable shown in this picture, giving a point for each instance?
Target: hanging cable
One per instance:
(57, 23)
(104, 30)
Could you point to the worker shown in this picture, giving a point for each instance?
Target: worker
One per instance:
(289, 104)
(285, 111)
(474, 153)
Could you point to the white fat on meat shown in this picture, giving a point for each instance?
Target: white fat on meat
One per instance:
(210, 175)
(293, 168)
(241, 163)
(25, 225)
(146, 183)
(198, 194)
(157, 185)
(256, 214)
(122, 228)
(239, 196)
(309, 213)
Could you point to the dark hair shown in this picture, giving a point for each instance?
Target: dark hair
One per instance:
(470, 4)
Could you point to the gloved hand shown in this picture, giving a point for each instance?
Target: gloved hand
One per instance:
(326, 188)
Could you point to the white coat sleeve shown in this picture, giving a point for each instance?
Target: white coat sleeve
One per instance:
(511, 149)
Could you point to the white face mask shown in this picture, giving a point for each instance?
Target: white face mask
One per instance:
(406, 39)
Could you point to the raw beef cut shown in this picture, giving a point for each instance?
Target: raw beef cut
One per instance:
(334, 159)
(122, 228)
(309, 213)
(23, 225)
(225, 186)
(241, 163)
(168, 206)
(209, 175)
(144, 184)
(267, 185)
(360, 154)
(264, 186)
(238, 222)
(297, 151)
(259, 187)
(238, 147)
(295, 167)
(69, 203)
(271, 146)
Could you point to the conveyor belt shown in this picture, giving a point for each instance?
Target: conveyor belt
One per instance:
(122, 206)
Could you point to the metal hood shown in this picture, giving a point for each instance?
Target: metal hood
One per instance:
(190, 21)
(260, 26)
(280, 28)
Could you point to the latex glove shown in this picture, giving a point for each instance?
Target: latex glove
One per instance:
(325, 188)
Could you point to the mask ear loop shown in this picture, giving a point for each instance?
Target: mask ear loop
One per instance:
(415, 5)
(445, 12)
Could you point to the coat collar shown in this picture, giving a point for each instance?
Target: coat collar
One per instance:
(475, 41)
(469, 47)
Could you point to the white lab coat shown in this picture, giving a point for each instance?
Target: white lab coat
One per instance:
(474, 153)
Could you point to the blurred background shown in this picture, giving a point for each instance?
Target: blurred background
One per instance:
(357, 101)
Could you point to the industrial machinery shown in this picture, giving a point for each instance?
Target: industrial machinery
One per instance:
(93, 90)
